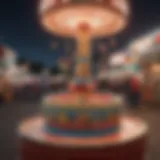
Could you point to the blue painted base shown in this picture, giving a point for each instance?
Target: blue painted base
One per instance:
(69, 133)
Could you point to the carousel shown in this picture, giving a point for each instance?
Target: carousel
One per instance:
(77, 128)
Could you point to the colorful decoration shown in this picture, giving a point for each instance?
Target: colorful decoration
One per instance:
(82, 120)
(63, 118)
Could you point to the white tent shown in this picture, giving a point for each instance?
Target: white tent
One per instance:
(142, 44)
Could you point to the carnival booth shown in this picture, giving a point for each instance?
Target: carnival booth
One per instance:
(151, 69)
(146, 52)
(121, 68)
(123, 65)
(7, 61)
(139, 47)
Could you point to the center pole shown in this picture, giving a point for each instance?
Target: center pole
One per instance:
(82, 81)
(83, 73)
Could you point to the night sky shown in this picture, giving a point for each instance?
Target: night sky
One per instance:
(20, 29)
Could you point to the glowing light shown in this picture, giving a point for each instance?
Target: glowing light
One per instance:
(141, 45)
(93, 19)
(65, 16)
(45, 4)
(122, 5)
(117, 59)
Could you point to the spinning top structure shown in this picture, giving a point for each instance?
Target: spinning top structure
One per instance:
(84, 20)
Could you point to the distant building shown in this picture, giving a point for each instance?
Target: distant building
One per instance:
(7, 57)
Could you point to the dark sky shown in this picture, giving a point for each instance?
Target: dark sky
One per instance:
(20, 28)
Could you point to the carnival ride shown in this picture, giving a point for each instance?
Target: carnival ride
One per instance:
(82, 20)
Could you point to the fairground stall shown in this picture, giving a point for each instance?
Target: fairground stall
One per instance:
(121, 68)
(139, 46)
(150, 63)
(7, 61)
(146, 52)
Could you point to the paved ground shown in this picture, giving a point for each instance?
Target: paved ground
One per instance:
(11, 115)
(152, 117)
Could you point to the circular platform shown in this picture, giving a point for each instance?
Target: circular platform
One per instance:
(129, 143)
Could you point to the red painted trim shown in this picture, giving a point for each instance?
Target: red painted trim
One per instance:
(80, 126)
